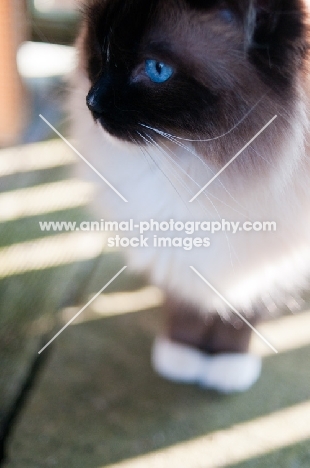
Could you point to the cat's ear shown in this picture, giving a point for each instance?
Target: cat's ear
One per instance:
(267, 14)
(263, 17)
(276, 20)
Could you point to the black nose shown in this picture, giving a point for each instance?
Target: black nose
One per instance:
(94, 100)
(98, 98)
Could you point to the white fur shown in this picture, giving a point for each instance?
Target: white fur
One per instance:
(226, 373)
(246, 268)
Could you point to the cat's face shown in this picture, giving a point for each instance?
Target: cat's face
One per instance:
(192, 68)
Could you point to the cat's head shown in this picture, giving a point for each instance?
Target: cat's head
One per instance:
(192, 68)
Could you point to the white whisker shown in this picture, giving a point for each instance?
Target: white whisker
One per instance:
(176, 175)
(206, 193)
(160, 169)
(145, 153)
(212, 172)
(160, 132)
(204, 209)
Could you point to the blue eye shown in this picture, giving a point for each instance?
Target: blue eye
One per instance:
(158, 72)
(227, 15)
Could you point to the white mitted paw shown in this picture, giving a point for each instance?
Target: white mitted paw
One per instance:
(225, 373)
(230, 373)
(175, 361)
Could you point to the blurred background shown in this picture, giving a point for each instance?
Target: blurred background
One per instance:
(91, 399)
(45, 277)
(36, 48)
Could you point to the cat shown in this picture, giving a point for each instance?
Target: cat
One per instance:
(165, 94)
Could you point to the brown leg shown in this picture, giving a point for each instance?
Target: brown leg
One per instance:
(210, 334)
(213, 352)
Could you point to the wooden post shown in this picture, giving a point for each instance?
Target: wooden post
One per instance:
(12, 95)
